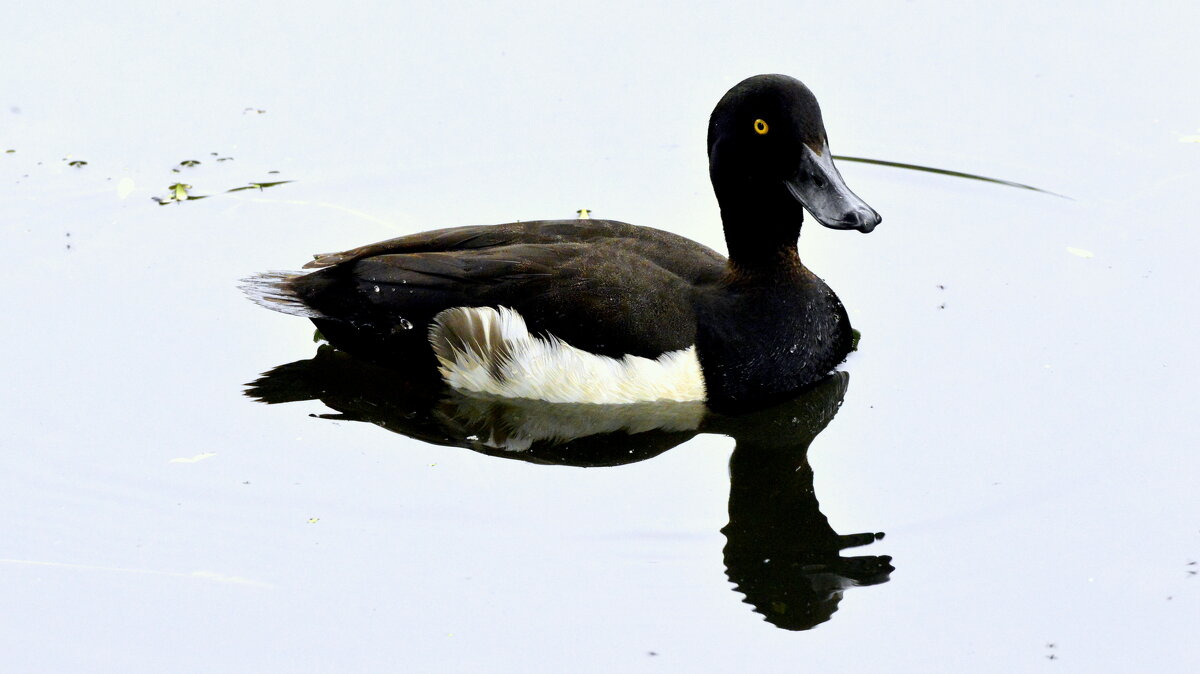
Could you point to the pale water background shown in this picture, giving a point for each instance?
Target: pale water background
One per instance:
(1020, 419)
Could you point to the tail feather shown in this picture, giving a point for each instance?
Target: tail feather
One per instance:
(274, 291)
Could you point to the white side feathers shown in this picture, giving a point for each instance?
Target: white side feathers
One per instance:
(489, 350)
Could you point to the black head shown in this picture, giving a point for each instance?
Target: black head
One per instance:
(769, 157)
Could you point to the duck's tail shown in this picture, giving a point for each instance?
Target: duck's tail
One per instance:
(275, 291)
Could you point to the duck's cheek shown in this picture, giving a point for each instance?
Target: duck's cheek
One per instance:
(490, 351)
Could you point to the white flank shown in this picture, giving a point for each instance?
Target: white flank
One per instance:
(490, 351)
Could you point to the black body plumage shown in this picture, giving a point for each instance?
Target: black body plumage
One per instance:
(764, 326)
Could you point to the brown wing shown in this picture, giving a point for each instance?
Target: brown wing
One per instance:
(608, 287)
(678, 254)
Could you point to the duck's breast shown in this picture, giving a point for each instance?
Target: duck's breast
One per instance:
(765, 343)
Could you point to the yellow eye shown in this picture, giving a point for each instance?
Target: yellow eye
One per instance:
(760, 127)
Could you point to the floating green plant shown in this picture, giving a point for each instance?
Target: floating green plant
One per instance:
(179, 191)
(259, 186)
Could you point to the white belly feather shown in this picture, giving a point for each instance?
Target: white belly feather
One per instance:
(489, 350)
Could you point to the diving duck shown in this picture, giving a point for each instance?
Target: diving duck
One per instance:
(601, 311)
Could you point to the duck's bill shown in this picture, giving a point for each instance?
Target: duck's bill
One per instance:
(820, 188)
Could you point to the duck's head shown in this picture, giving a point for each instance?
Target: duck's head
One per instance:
(769, 157)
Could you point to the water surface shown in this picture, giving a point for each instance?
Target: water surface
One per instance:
(1017, 421)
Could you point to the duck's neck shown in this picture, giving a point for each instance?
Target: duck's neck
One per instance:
(761, 231)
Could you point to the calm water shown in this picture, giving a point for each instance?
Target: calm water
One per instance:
(1001, 479)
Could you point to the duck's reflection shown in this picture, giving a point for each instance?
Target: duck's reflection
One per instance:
(781, 552)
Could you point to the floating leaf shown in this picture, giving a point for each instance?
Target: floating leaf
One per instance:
(77, 163)
(179, 192)
(259, 186)
(189, 163)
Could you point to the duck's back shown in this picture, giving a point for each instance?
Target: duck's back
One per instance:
(678, 254)
(607, 287)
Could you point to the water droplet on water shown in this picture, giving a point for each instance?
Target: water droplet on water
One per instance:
(376, 288)
(405, 324)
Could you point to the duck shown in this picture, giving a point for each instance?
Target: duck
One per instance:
(601, 311)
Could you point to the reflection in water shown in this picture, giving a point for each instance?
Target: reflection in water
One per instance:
(781, 552)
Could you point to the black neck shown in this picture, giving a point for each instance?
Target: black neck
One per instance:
(762, 225)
